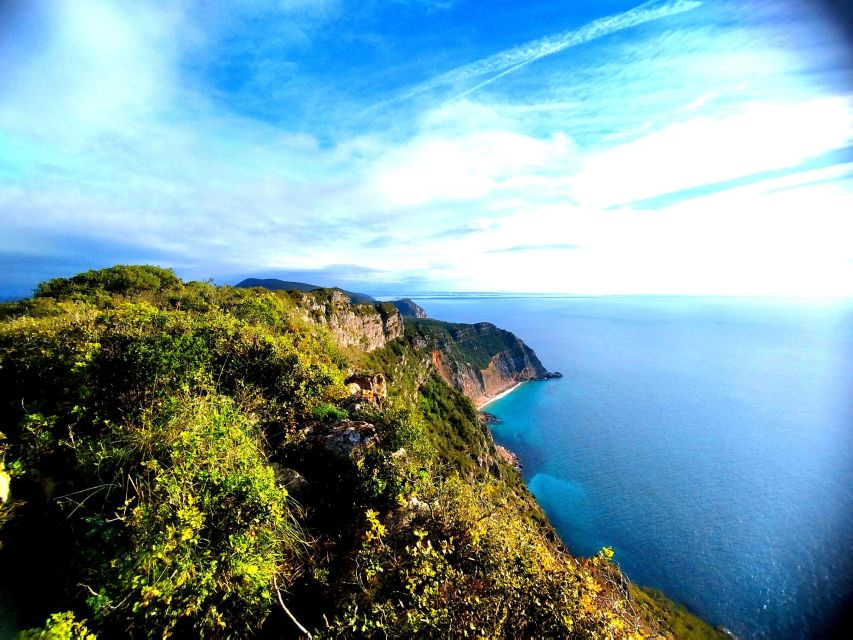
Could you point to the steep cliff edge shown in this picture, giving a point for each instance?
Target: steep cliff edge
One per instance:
(409, 308)
(480, 360)
(362, 326)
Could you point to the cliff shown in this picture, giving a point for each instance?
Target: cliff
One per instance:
(409, 308)
(480, 359)
(361, 326)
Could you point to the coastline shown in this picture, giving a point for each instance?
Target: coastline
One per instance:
(506, 392)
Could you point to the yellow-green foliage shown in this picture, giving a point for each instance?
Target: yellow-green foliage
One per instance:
(150, 426)
(661, 612)
(470, 565)
(209, 526)
(140, 434)
(59, 626)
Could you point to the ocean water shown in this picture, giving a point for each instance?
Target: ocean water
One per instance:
(708, 441)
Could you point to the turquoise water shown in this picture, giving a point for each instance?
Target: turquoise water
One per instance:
(707, 441)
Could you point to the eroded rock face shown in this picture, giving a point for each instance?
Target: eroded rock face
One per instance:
(367, 389)
(507, 456)
(511, 362)
(364, 326)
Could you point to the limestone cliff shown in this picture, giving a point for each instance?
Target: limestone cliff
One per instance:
(480, 359)
(361, 326)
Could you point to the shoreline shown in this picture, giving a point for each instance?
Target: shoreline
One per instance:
(506, 392)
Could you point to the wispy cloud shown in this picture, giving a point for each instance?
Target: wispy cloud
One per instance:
(708, 150)
(522, 248)
(501, 64)
(228, 144)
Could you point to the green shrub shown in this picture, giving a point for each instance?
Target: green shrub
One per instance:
(209, 527)
(59, 626)
(326, 412)
(121, 279)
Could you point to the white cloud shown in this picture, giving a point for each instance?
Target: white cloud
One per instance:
(464, 168)
(131, 149)
(86, 68)
(707, 150)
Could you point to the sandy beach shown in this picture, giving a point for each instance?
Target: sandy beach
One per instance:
(501, 395)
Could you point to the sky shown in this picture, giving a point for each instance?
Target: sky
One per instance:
(399, 146)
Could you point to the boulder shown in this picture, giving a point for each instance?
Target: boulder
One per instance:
(350, 439)
(290, 479)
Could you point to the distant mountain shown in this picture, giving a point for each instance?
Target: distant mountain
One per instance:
(409, 308)
(274, 284)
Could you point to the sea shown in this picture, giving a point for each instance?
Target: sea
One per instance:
(706, 440)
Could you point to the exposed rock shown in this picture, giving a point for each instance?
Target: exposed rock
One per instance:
(480, 359)
(363, 326)
(350, 439)
(507, 456)
(490, 418)
(367, 389)
(290, 479)
(505, 370)
(368, 384)
(407, 512)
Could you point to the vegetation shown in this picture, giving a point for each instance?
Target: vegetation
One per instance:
(186, 460)
(274, 284)
(473, 344)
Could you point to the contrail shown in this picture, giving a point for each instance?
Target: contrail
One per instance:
(511, 60)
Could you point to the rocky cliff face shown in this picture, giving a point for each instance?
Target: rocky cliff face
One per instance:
(480, 360)
(364, 326)
(409, 308)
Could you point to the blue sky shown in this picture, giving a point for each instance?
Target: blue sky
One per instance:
(591, 147)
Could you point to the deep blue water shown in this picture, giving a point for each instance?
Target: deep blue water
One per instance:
(708, 441)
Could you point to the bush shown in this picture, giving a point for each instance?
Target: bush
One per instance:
(125, 280)
(60, 626)
(209, 527)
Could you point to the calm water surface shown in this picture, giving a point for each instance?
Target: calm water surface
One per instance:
(708, 441)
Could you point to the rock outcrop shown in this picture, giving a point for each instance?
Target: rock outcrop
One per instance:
(480, 360)
(507, 456)
(360, 326)
(370, 389)
(350, 439)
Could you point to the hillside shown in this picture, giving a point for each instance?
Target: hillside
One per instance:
(274, 284)
(480, 360)
(409, 308)
(181, 459)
